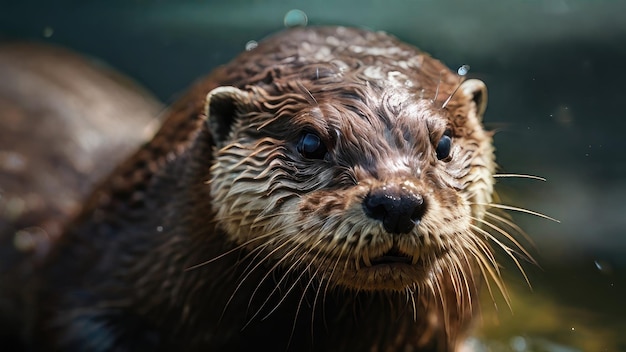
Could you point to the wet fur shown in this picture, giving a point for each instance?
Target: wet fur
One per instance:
(219, 235)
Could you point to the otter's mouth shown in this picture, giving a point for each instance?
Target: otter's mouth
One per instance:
(392, 268)
(394, 255)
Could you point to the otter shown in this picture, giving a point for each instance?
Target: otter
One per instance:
(326, 190)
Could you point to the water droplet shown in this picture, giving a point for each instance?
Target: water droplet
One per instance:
(48, 32)
(598, 265)
(603, 266)
(251, 45)
(295, 18)
(463, 70)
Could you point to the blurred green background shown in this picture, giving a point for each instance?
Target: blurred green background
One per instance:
(555, 71)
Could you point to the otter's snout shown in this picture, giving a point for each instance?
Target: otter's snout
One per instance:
(398, 206)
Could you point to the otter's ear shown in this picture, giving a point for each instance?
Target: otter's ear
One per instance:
(222, 106)
(476, 90)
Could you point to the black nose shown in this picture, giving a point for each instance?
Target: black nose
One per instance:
(398, 207)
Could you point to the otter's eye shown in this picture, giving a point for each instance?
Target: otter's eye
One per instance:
(444, 145)
(310, 146)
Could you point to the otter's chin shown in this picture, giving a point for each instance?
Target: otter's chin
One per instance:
(387, 276)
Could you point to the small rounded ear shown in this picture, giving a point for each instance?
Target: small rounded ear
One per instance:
(476, 90)
(222, 106)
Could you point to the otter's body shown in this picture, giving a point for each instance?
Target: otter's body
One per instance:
(319, 192)
(65, 122)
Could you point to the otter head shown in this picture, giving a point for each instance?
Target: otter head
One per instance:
(363, 186)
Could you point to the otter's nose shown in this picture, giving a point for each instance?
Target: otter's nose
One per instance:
(398, 207)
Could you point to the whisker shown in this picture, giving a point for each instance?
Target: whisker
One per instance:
(315, 299)
(460, 284)
(234, 249)
(509, 252)
(283, 259)
(518, 209)
(311, 99)
(442, 300)
(487, 264)
(512, 225)
(437, 90)
(249, 272)
(453, 275)
(332, 272)
(295, 282)
(481, 266)
(495, 276)
(532, 177)
(295, 318)
(258, 251)
(508, 236)
(410, 296)
(466, 279)
(484, 247)
(270, 272)
(304, 290)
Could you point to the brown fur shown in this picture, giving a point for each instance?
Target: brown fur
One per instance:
(66, 121)
(220, 235)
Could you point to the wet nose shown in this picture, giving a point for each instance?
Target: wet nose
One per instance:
(398, 207)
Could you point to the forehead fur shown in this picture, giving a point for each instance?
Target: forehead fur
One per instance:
(321, 57)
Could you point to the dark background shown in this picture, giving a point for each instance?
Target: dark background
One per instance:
(556, 73)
